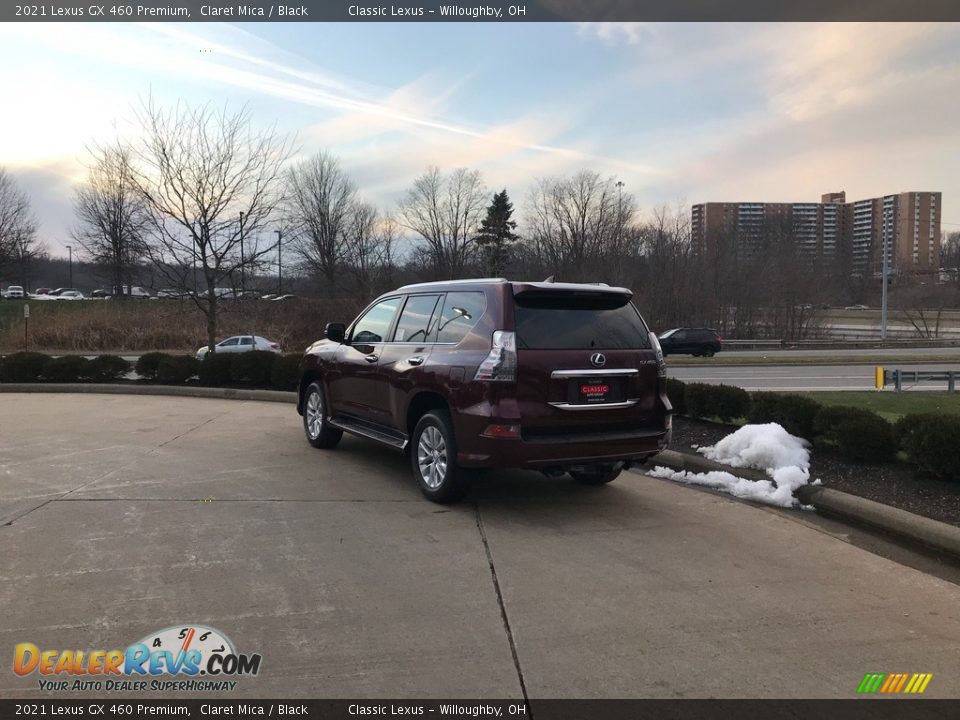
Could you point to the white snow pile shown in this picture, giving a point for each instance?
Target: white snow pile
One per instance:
(784, 457)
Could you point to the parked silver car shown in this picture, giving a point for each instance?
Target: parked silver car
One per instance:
(241, 343)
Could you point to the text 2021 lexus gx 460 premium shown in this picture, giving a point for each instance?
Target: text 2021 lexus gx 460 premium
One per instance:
(488, 373)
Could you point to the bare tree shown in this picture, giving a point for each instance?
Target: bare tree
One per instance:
(576, 222)
(112, 217)
(371, 239)
(445, 211)
(211, 182)
(319, 210)
(18, 227)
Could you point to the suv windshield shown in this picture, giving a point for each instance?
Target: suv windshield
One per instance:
(558, 321)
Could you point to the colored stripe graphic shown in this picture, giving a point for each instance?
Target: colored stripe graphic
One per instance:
(894, 683)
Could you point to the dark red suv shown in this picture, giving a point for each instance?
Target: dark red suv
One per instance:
(490, 374)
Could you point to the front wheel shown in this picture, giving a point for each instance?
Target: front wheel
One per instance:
(598, 475)
(434, 459)
(319, 433)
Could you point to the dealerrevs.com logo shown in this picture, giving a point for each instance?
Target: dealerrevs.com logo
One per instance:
(180, 658)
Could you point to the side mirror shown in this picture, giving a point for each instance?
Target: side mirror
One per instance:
(335, 331)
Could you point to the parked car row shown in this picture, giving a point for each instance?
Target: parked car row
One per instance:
(14, 292)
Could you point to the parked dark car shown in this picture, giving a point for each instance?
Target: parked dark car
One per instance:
(691, 341)
(493, 374)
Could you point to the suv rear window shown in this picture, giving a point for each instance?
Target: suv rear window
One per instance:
(558, 321)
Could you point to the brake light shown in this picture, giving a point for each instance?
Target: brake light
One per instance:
(274, 346)
(501, 364)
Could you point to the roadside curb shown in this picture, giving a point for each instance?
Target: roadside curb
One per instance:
(174, 390)
(933, 534)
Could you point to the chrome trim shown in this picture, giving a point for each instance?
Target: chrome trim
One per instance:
(595, 406)
(594, 373)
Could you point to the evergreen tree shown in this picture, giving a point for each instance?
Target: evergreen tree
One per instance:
(496, 234)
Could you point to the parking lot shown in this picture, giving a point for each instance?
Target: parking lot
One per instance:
(122, 515)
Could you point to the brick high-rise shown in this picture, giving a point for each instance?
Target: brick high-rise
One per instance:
(849, 233)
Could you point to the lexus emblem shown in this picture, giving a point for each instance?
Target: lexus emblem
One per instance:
(598, 359)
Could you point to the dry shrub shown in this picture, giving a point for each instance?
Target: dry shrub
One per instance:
(96, 326)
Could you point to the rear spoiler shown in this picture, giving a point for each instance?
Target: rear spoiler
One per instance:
(582, 289)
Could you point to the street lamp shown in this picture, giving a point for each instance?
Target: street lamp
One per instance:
(70, 250)
(279, 263)
(243, 280)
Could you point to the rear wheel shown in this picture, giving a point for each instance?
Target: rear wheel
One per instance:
(597, 475)
(434, 459)
(710, 351)
(319, 433)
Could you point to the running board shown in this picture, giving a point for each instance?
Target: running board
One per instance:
(366, 430)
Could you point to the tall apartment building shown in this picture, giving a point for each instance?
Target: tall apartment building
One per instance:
(853, 234)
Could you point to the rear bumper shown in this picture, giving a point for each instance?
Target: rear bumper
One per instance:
(574, 448)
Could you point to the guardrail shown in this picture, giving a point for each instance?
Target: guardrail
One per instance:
(825, 344)
(897, 378)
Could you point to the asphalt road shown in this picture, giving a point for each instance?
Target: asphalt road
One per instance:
(798, 377)
(123, 515)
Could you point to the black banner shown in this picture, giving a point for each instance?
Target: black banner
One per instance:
(491, 11)
(887, 709)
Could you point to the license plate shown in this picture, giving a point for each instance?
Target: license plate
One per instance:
(594, 392)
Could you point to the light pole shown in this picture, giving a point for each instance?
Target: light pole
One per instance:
(279, 263)
(883, 291)
(70, 265)
(243, 279)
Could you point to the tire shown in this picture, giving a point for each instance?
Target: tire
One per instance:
(709, 352)
(600, 475)
(433, 453)
(315, 427)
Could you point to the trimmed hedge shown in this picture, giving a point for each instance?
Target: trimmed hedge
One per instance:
(285, 374)
(830, 417)
(107, 368)
(865, 437)
(23, 367)
(794, 412)
(930, 442)
(697, 398)
(252, 367)
(676, 392)
(148, 364)
(176, 369)
(730, 402)
(66, 369)
(215, 369)
(720, 401)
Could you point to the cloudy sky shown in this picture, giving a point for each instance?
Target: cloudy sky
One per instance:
(680, 113)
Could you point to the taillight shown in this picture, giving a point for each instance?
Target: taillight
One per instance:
(274, 346)
(501, 364)
(661, 365)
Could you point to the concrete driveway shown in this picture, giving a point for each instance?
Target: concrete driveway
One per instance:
(123, 515)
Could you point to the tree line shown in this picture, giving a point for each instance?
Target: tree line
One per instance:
(205, 199)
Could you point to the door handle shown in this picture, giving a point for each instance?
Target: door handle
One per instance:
(415, 360)
(371, 358)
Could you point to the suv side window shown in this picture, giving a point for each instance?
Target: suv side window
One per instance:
(461, 311)
(416, 320)
(375, 323)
